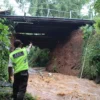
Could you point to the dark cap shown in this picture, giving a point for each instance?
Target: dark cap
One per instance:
(17, 43)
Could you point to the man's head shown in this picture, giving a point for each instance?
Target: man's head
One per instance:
(17, 43)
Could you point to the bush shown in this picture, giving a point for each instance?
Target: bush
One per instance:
(38, 57)
(4, 48)
(97, 25)
(91, 54)
(30, 97)
(7, 96)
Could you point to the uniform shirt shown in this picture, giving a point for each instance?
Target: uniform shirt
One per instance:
(10, 64)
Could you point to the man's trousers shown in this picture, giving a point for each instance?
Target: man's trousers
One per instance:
(20, 85)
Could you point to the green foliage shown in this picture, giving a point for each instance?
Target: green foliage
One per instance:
(87, 31)
(90, 69)
(7, 96)
(38, 57)
(60, 5)
(4, 48)
(97, 6)
(91, 53)
(30, 97)
(97, 24)
(41, 7)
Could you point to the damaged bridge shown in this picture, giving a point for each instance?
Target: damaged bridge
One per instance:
(43, 31)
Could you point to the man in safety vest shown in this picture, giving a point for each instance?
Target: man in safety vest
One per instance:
(18, 60)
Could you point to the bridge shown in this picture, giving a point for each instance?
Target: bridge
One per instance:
(44, 31)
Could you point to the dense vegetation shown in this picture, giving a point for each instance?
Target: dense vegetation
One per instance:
(54, 8)
(5, 31)
(38, 57)
(96, 6)
(91, 51)
(91, 48)
(60, 5)
(4, 48)
(8, 96)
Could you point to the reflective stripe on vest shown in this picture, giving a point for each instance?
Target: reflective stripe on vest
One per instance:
(19, 59)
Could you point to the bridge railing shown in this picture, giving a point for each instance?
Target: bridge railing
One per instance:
(45, 12)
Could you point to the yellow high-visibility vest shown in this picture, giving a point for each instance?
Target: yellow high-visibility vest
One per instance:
(19, 59)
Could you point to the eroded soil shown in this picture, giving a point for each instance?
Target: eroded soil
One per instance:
(66, 57)
(55, 86)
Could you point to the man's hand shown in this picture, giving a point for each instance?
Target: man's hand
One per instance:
(30, 45)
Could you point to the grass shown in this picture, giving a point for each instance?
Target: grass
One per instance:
(6, 93)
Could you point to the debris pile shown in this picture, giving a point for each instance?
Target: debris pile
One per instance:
(66, 58)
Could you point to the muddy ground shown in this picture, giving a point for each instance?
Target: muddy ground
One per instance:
(66, 57)
(55, 86)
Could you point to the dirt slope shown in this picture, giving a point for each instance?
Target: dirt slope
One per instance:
(67, 55)
(54, 86)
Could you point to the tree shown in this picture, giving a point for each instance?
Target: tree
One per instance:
(55, 8)
(8, 6)
(62, 6)
(97, 6)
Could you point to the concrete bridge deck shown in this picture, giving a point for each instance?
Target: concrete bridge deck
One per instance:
(45, 24)
(45, 30)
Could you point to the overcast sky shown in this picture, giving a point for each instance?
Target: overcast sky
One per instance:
(18, 11)
(15, 6)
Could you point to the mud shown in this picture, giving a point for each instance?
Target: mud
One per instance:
(66, 58)
(55, 86)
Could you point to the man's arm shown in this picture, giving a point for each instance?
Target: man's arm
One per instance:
(10, 70)
(10, 74)
(28, 49)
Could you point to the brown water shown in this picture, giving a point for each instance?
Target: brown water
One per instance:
(55, 86)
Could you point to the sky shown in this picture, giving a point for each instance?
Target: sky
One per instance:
(19, 12)
(15, 6)
(84, 10)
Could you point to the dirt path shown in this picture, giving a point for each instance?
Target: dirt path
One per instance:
(54, 86)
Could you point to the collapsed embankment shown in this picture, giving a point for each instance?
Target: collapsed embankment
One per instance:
(66, 57)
